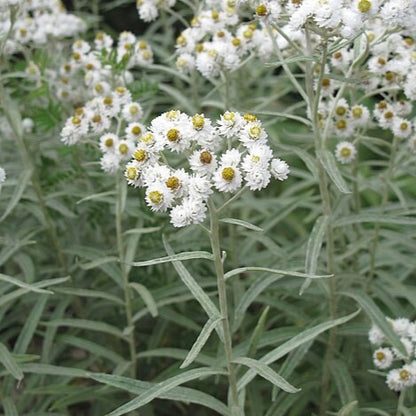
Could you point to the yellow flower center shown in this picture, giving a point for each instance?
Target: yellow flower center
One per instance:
(96, 118)
(229, 116)
(172, 115)
(140, 155)
(120, 90)
(337, 55)
(133, 109)
(180, 40)
(199, 47)
(215, 15)
(131, 173)
(236, 42)
(404, 374)
(388, 115)
(248, 33)
(79, 111)
(261, 10)
(76, 121)
(136, 130)
(156, 197)
(173, 183)
(364, 6)
(255, 131)
(220, 34)
(326, 82)
(198, 121)
(100, 36)
(205, 157)
(76, 56)
(146, 55)
(109, 142)
(357, 112)
(380, 356)
(341, 110)
(89, 66)
(345, 152)
(123, 148)
(98, 87)
(172, 135)
(228, 174)
(255, 159)
(147, 138)
(250, 117)
(142, 45)
(341, 124)
(404, 126)
(108, 101)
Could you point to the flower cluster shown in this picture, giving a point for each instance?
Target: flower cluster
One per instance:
(384, 357)
(149, 9)
(247, 161)
(100, 66)
(36, 22)
(106, 116)
(2, 175)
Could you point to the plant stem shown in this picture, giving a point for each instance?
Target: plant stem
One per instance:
(124, 275)
(320, 142)
(400, 403)
(222, 294)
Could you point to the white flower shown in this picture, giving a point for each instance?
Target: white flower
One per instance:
(411, 331)
(401, 127)
(199, 188)
(399, 325)
(185, 63)
(400, 378)
(132, 112)
(227, 178)
(279, 169)
(133, 174)
(110, 162)
(108, 142)
(257, 178)
(376, 336)
(359, 115)
(230, 124)
(191, 211)
(28, 124)
(159, 197)
(231, 157)
(125, 149)
(203, 162)
(253, 133)
(345, 152)
(383, 358)
(134, 130)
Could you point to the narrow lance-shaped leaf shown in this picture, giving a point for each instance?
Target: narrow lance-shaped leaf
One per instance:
(266, 372)
(313, 248)
(182, 394)
(9, 363)
(240, 270)
(295, 342)
(328, 162)
(241, 223)
(196, 290)
(188, 255)
(200, 341)
(146, 297)
(378, 318)
(164, 387)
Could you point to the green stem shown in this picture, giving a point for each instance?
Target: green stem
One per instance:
(222, 294)
(125, 277)
(320, 142)
(384, 200)
(400, 403)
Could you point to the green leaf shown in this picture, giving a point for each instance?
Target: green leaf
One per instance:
(146, 297)
(375, 218)
(313, 248)
(30, 326)
(328, 162)
(87, 293)
(200, 341)
(293, 343)
(19, 283)
(345, 385)
(196, 290)
(86, 324)
(102, 196)
(266, 372)
(378, 318)
(347, 409)
(241, 223)
(23, 181)
(258, 331)
(182, 394)
(9, 407)
(98, 262)
(240, 270)
(53, 370)
(163, 387)
(20, 292)
(9, 363)
(188, 255)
